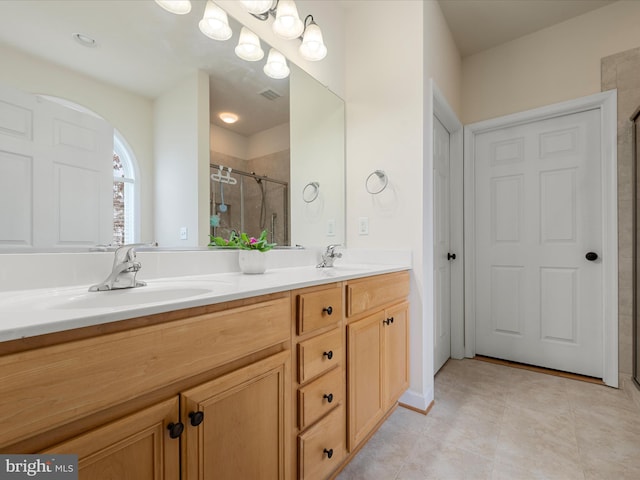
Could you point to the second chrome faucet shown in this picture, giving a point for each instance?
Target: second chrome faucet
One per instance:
(124, 270)
(329, 256)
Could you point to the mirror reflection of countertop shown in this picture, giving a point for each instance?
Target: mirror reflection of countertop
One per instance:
(28, 313)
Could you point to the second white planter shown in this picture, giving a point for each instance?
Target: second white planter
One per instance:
(252, 261)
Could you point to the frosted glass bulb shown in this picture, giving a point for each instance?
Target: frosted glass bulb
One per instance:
(287, 23)
(249, 46)
(276, 66)
(313, 47)
(214, 23)
(257, 7)
(179, 7)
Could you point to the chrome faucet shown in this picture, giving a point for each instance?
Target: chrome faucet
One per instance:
(329, 256)
(124, 271)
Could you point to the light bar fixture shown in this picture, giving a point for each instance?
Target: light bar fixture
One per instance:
(286, 24)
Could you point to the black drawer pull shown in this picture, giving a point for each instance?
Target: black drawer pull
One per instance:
(328, 452)
(329, 310)
(196, 418)
(388, 321)
(329, 397)
(175, 429)
(328, 354)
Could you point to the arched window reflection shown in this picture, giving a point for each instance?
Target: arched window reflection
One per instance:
(124, 192)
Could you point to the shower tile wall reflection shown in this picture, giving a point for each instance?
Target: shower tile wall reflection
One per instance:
(251, 205)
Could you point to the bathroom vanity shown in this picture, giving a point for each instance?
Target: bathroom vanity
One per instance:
(283, 381)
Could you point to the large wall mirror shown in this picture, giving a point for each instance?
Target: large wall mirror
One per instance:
(154, 86)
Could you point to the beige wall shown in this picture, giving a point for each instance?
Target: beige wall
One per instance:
(387, 97)
(558, 63)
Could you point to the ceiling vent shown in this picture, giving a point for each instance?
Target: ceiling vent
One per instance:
(270, 94)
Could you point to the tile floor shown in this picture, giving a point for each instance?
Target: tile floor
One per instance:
(501, 423)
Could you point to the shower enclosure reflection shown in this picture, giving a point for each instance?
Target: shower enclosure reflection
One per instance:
(248, 202)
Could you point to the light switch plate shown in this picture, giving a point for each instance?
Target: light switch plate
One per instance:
(363, 226)
(331, 227)
(184, 233)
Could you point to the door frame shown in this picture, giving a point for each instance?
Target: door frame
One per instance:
(606, 103)
(449, 120)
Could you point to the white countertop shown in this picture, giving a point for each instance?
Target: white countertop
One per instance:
(28, 313)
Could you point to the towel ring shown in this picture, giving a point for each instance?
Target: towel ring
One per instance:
(382, 177)
(310, 192)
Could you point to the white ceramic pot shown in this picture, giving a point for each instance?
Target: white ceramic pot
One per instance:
(252, 261)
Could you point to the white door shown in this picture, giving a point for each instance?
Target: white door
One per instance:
(443, 254)
(538, 224)
(56, 174)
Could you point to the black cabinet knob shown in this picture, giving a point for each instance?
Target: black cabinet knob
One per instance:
(329, 397)
(329, 310)
(328, 452)
(451, 256)
(388, 321)
(175, 429)
(591, 256)
(328, 354)
(196, 418)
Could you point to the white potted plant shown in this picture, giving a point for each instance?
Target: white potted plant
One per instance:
(251, 257)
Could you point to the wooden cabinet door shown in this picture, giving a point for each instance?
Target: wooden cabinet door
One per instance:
(365, 370)
(244, 433)
(136, 447)
(395, 353)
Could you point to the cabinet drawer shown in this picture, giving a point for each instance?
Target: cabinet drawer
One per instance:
(319, 309)
(322, 447)
(320, 396)
(368, 293)
(319, 354)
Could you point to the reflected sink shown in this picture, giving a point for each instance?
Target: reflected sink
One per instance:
(129, 297)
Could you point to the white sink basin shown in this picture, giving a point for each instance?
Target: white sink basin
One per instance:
(129, 297)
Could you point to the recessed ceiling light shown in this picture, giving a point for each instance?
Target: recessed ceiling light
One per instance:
(228, 117)
(85, 40)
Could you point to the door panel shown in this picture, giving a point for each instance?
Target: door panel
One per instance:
(250, 405)
(56, 174)
(365, 370)
(538, 212)
(136, 447)
(442, 274)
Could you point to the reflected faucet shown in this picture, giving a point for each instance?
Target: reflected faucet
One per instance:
(124, 270)
(329, 256)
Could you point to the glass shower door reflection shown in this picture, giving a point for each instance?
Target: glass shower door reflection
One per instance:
(252, 204)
